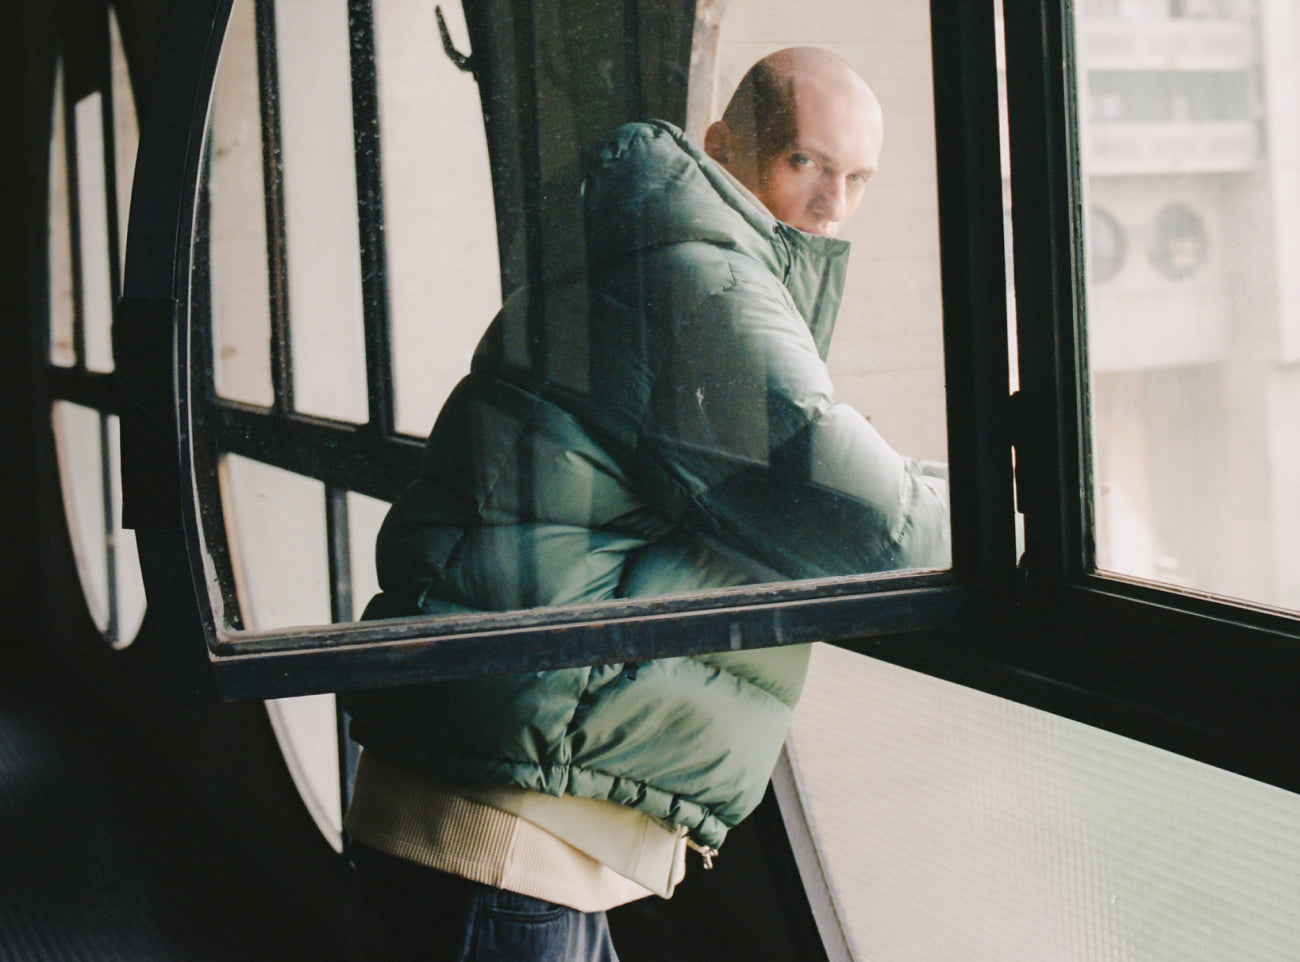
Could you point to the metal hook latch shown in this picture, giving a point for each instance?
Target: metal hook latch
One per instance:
(707, 852)
(465, 63)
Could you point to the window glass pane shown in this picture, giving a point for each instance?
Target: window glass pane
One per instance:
(1191, 158)
(126, 132)
(444, 281)
(99, 545)
(320, 209)
(276, 522)
(77, 442)
(956, 825)
(307, 730)
(886, 359)
(129, 584)
(92, 232)
(241, 312)
(62, 346)
(683, 392)
(365, 515)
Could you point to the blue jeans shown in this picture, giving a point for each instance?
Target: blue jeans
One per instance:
(409, 912)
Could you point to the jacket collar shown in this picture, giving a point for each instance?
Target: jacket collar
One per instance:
(811, 267)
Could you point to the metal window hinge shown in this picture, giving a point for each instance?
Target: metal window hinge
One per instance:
(463, 61)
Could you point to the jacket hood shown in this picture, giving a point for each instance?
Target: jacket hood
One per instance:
(648, 186)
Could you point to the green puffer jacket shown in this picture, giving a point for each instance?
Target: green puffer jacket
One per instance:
(664, 424)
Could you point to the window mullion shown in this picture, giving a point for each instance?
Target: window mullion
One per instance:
(1046, 198)
(370, 215)
(273, 185)
(974, 289)
(339, 552)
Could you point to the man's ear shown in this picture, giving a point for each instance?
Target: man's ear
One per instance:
(718, 142)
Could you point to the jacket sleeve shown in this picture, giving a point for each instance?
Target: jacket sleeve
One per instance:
(743, 416)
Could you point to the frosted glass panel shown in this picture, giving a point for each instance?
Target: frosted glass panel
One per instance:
(241, 313)
(80, 453)
(62, 347)
(955, 825)
(320, 200)
(116, 604)
(92, 233)
(307, 730)
(886, 359)
(276, 524)
(129, 585)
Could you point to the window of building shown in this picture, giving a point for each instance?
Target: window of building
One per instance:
(1107, 246)
(1177, 242)
(1052, 658)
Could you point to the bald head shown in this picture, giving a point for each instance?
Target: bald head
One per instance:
(803, 132)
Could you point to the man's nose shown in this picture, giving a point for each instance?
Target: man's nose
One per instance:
(832, 199)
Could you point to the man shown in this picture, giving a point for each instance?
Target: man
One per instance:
(698, 446)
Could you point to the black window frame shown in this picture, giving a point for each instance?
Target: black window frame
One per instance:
(88, 71)
(1201, 676)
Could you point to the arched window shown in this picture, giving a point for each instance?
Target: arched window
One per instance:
(93, 138)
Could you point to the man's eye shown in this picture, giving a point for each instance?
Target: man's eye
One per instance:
(799, 160)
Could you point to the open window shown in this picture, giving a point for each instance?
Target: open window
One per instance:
(282, 350)
(346, 223)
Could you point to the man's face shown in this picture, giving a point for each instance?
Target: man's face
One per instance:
(816, 182)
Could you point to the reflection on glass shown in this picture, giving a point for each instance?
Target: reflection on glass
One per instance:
(660, 419)
(277, 539)
(241, 311)
(681, 392)
(1191, 144)
(320, 209)
(886, 359)
(92, 232)
(956, 825)
(443, 282)
(62, 346)
(105, 554)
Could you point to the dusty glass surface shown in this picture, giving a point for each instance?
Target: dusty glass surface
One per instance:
(241, 311)
(1190, 125)
(443, 273)
(277, 536)
(323, 275)
(567, 505)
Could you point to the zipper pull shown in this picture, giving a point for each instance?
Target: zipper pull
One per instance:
(707, 853)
